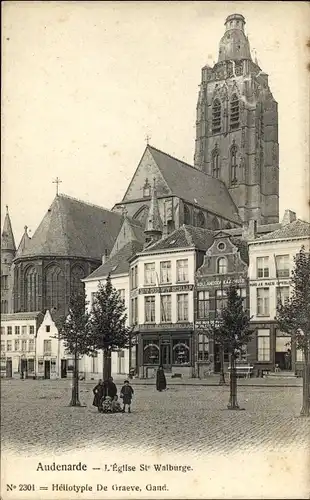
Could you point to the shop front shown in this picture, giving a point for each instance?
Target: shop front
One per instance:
(172, 348)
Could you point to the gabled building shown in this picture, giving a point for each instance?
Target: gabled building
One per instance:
(30, 347)
(271, 262)
(226, 261)
(186, 195)
(130, 241)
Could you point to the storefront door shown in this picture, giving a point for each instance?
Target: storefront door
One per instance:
(165, 354)
(47, 369)
(9, 368)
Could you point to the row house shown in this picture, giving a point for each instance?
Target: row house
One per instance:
(31, 348)
(271, 261)
(225, 262)
(162, 279)
(128, 243)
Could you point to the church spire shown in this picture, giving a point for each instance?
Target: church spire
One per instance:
(23, 242)
(153, 227)
(7, 238)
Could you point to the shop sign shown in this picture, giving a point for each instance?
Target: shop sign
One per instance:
(167, 326)
(270, 283)
(225, 282)
(166, 289)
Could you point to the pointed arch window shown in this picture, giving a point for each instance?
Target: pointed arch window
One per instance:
(200, 219)
(216, 116)
(234, 112)
(233, 165)
(215, 223)
(31, 289)
(55, 288)
(77, 274)
(215, 163)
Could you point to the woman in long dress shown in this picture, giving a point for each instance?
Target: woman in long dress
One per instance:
(161, 383)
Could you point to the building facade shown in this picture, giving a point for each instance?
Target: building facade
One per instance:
(271, 263)
(237, 127)
(30, 347)
(162, 300)
(225, 262)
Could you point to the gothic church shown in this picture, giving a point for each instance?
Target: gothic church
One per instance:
(235, 179)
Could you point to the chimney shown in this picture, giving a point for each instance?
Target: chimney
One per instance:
(288, 217)
(105, 256)
(249, 230)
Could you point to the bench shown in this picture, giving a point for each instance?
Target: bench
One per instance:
(242, 370)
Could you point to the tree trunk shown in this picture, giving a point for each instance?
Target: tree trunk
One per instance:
(305, 410)
(222, 373)
(106, 364)
(75, 383)
(233, 403)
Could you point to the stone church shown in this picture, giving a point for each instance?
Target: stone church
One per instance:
(234, 179)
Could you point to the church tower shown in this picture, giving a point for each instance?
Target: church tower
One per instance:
(237, 127)
(8, 251)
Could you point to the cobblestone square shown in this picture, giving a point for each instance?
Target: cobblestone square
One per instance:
(36, 415)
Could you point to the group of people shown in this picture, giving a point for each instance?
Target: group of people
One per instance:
(106, 398)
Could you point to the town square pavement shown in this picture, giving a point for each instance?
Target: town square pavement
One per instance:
(185, 418)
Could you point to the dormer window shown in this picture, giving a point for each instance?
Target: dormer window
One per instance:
(146, 189)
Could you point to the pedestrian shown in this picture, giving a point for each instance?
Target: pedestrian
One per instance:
(98, 394)
(161, 383)
(127, 394)
(110, 388)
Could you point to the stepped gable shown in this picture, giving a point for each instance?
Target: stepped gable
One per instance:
(73, 228)
(295, 229)
(184, 237)
(118, 263)
(194, 186)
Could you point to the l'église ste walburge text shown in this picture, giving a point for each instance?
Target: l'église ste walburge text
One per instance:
(118, 468)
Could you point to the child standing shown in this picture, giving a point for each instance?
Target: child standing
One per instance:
(126, 395)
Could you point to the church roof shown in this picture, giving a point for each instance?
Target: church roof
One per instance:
(131, 230)
(296, 229)
(184, 237)
(118, 263)
(194, 186)
(73, 228)
(7, 237)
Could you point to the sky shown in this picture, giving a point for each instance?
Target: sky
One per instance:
(84, 83)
